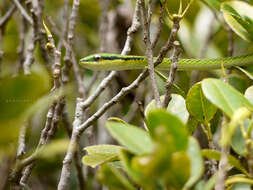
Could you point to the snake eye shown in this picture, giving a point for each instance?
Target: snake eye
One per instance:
(97, 57)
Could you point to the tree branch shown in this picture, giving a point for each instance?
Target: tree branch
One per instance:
(172, 74)
(146, 15)
(23, 11)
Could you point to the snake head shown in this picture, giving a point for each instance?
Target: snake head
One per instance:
(91, 58)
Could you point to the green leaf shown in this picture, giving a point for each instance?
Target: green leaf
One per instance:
(238, 179)
(239, 16)
(245, 72)
(192, 124)
(209, 185)
(198, 105)
(212, 154)
(197, 163)
(241, 186)
(103, 149)
(213, 3)
(224, 96)
(133, 138)
(164, 126)
(176, 106)
(249, 94)
(238, 141)
(126, 159)
(179, 170)
(113, 178)
(100, 154)
(237, 81)
(176, 88)
(228, 130)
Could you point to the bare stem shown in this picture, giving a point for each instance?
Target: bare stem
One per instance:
(172, 74)
(21, 140)
(23, 11)
(7, 16)
(157, 37)
(146, 15)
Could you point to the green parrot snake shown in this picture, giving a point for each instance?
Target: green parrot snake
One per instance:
(106, 61)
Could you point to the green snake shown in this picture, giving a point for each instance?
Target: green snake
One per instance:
(106, 61)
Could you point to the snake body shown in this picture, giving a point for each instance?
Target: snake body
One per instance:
(117, 62)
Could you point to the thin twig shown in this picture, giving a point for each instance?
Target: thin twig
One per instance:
(29, 161)
(68, 125)
(21, 47)
(21, 140)
(7, 16)
(157, 36)
(141, 110)
(223, 166)
(136, 23)
(38, 6)
(29, 54)
(172, 74)
(65, 176)
(23, 11)
(149, 53)
(57, 116)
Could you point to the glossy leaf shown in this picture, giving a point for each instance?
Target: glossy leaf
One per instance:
(249, 94)
(241, 186)
(224, 96)
(238, 179)
(176, 106)
(238, 141)
(100, 154)
(164, 126)
(133, 138)
(103, 149)
(198, 105)
(239, 16)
